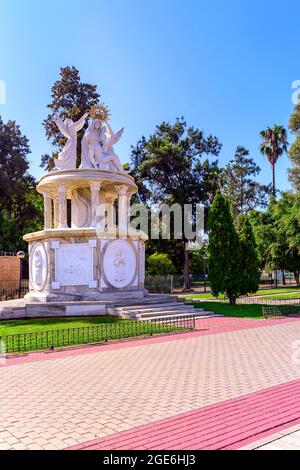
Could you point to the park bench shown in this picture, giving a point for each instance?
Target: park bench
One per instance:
(279, 310)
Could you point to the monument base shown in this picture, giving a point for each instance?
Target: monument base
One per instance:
(48, 297)
(81, 265)
(89, 252)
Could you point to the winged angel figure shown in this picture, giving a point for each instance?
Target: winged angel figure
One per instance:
(67, 157)
(109, 155)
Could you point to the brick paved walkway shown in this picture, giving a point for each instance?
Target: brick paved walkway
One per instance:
(285, 438)
(226, 425)
(78, 396)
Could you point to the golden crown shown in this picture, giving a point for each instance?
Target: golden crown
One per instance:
(100, 111)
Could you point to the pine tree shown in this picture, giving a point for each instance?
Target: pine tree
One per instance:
(225, 269)
(172, 167)
(249, 260)
(70, 98)
(14, 164)
(21, 207)
(239, 184)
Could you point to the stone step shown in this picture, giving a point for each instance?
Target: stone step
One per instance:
(168, 306)
(208, 315)
(12, 309)
(165, 317)
(49, 309)
(5, 310)
(12, 314)
(146, 301)
(162, 307)
(66, 303)
(17, 309)
(141, 307)
(178, 316)
(161, 313)
(154, 306)
(6, 305)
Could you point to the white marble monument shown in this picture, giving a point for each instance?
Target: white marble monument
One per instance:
(82, 254)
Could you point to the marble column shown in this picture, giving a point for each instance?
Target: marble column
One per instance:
(56, 210)
(142, 264)
(110, 209)
(95, 204)
(62, 206)
(129, 196)
(47, 211)
(122, 208)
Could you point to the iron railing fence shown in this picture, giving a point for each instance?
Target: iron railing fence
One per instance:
(264, 300)
(10, 290)
(163, 284)
(39, 340)
(167, 284)
(7, 253)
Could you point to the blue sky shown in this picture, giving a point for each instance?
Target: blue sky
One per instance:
(226, 66)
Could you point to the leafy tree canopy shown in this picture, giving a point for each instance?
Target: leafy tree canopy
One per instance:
(239, 184)
(170, 167)
(294, 151)
(14, 177)
(170, 163)
(277, 234)
(20, 204)
(71, 98)
(159, 264)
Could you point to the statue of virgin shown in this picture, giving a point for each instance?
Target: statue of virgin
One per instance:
(91, 145)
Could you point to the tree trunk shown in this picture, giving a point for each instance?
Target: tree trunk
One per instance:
(296, 276)
(273, 180)
(186, 269)
(283, 278)
(232, 300)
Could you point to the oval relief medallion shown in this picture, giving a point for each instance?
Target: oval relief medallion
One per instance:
(38, 267)
(119, 264)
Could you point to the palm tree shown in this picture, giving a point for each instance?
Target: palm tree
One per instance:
(273, 145)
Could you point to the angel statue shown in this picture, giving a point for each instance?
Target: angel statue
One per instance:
(67, 157)
(108, 153)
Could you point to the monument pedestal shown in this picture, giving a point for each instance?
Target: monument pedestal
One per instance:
(95, 258)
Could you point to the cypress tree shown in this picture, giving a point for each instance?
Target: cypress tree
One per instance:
(249, 260)
(225, 269)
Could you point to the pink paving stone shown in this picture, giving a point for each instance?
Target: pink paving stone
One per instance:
(227, 425)
(211, 370)
(205, 326)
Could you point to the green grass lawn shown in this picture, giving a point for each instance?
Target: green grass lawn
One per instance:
(241, 311)
(279, 290)
(199, 296)
(11, 327)
(283, 296)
